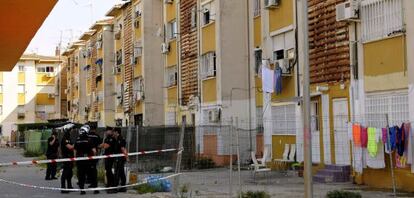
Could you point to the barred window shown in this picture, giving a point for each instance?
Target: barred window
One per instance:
(208, 65)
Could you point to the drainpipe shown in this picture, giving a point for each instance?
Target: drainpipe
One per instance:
(248, 76)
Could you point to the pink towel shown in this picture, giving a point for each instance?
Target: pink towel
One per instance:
(364, 137)
(384, 136)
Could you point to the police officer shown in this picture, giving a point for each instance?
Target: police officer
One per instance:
(109, 148)
(67, 152)
(92, 174)
(52, 153)
(83, 148)
(120, 161)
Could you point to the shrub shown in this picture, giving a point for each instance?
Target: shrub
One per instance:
(254, 194)
(343, 194)
(145, 188)
(205, 163)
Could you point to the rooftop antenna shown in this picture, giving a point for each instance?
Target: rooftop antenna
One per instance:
(90, 5)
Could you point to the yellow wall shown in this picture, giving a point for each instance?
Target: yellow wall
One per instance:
(259, 93)
(209, 90)
(257, 31)
(1, 77)
(100, 107)
(172, 95)
(21, 78)
(118, 44)
(208, 38)
(42, 79)
(172, 55)
(278, 144)
(138, 31)
(281, 16)
(1, 98)
(288, 88)
(118, 79)
(100, 86)
(43, 99)
(21, 99)
(138, 108)
(138, 68)
(384, 64)
(100, 53)
(171, 11)
(88, 86)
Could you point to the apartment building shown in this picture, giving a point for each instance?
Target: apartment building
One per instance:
(275, 44)
(30, 92)
(139, 63)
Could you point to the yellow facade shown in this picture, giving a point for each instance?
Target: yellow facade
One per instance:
(172, 55)
(138, 29)
(21, 78)
(282, 16)
(100, 86)
(288, 91)
(209, 90)
(259, 93)
(172, 95)
(171, 11)
(278, 144)
(257, 31)
(138, 108)
(138, 68)
(208, 38)
(21, 99)
(43, 79)
(384, 64)
(88, 86)
(1, 98)
(44, 99)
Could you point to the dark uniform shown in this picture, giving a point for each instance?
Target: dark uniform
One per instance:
(52, 153)
(92, 173)
(120, 163)
(67, 166)
(83, 149)
(109, 162)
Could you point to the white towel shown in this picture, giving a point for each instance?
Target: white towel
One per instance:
(357, 163)
(267, 77)
(378, 161)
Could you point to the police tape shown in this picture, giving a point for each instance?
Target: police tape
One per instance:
(52, 161)
(87, 189)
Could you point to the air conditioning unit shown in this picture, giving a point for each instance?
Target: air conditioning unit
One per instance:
(99, 45)
(21, 115)
(347, 11)
(137, 97)
(138, 13)
(98, 115)
(284, 64)
(168, 1)
(165, 48)
(87, 109)
(271, 4)
(214, 115)
(50, 96)
(136, 23)
(119, 101)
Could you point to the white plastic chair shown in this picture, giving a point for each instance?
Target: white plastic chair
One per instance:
(264, 157)
(285, 154)
(258, 168)
(292, 153)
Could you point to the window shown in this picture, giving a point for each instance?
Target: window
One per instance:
(279, 54)
(256, 6)
(172, 29)
(208, 13)
(119, 57)
(1, 109)
(45, 69)
(20, 89)
(172, 76)
(315, 126)
(20, 109)
(257, 60)
(284, 119)
(138, 10)
(381, 19)
(194, 17)
(208, 65)
(21, 68)
(395, 105)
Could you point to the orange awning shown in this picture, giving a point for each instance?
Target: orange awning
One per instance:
(19, 22)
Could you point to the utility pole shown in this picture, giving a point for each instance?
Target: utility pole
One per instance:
(307, 137)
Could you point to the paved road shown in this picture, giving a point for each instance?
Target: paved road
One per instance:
(35, 176)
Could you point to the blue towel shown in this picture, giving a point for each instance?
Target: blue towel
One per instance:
(278, 80)
(392, 137)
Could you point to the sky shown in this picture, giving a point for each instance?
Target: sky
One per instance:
(67, 21)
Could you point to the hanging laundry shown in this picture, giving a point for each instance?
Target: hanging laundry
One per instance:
(357, 162)
(408, 145)
(372, 142)
(350, 125)
(278, 80)
(385, 140)
(400, 161)
(364, 137)
(400, 141)
(392, 138)
(378, 161)
(356, 132)
(267, 77)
